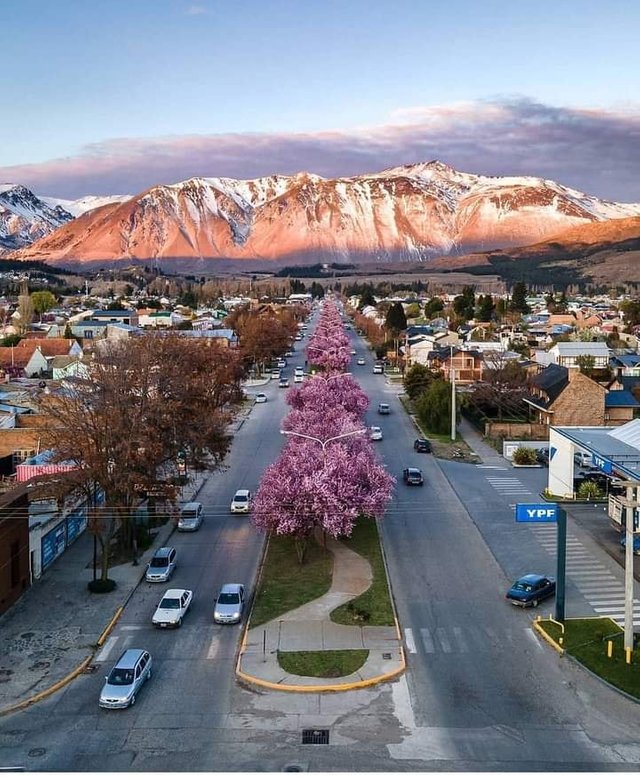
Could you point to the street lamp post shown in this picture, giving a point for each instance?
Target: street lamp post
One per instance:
(323, 443)
(452, 375)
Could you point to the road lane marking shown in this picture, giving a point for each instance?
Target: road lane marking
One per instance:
(444, 642)
(213, 648)
(427, 641)
(108, 646)
(457, 631)
(533, 637)
(410, 642)
(131, 628)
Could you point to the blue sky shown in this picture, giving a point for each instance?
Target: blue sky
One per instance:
(157, 87)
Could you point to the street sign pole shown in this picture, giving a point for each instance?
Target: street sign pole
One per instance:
(561, 553)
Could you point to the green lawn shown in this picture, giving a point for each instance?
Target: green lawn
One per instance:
(373, 607)
(285, 584)
(586, 640)
(324, 663)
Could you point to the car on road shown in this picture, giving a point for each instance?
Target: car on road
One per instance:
(353, 351)
(172, 608)
(289, 354)
(123, 682)
(241, 502)
(190, 516)
(162, 565)
(229, 604)
(298, 377)
(530, 590)
(361, 362)
(282, 363)
(422, 445)
(275, 374)
(378, 369)
(261, 397)
(298, 337)
(412, 476)
(284, 383)
(383, 408)
(375, 433)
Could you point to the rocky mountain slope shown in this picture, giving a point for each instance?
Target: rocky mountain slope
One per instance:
(24, 218)
(414, 212)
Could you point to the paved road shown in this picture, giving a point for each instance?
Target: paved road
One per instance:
(480, 693)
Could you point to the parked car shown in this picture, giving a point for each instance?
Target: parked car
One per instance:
(361, 362)
(162, 565)
(261, 397)
(636, 542)
(123, 682)
(284, 383)
(190, 516)
(375, 433)
(412, 476)
(530, 590)
(298, 377)
(172, 608)
(582, 459)
(241, 502)
(383, 408)
(229, 604)
(282, 363)
(378, 369)
(422, 445)
(542, 456)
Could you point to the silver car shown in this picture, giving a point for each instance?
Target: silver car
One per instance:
(162, 565)
(229, 604)
(190, 517)
(123, 682)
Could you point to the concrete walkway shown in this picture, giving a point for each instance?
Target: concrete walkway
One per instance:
(309, 628)
(475, 441)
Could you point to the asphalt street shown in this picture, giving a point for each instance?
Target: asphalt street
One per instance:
(480, 693)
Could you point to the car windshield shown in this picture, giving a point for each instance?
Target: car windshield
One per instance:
(170, 604)
(526, 587)
(229, 599)
(240, 498)
(189, 515)
(120, 677)
(159, 562)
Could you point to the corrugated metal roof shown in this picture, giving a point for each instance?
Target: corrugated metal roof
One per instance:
(628, 433)
(577, 349)
(620, 399)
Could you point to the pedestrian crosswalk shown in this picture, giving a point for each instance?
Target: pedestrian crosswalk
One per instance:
(602, 590)
(456, 640)
(509, 485)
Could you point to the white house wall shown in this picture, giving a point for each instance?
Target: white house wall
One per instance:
(561, 466)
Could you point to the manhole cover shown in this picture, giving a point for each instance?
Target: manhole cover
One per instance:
(315, 736)
(36, 752)
(387, 656)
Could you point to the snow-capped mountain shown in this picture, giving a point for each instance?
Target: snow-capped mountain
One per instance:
(25, 218)
(413, 212)
(90, 202)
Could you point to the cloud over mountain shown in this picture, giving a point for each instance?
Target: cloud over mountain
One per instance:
(592, 150)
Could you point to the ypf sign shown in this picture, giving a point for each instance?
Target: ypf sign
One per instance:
(537, 513)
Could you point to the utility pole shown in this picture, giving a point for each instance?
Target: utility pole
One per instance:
(452, 375)
(630, 505)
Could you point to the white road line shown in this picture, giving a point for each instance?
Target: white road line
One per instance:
(618, 608)
(427, 641)
(444, 642)
(533, 637)
(131, 628)
(462, 647)
(410, 642)
(108, 646)
(215, 644)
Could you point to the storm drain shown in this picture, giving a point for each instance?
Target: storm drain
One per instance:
(386, 656)
(315, 736)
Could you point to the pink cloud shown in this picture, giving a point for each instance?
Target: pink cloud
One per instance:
(592, 150)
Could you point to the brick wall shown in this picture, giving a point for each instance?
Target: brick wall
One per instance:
(581, 403)
(12, 440)
(515, 430)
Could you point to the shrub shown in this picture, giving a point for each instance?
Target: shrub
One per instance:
(589, 490)
(524, 456)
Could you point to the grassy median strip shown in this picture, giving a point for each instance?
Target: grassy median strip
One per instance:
(373, 607)
(322, 663)
(586, 640)
(286, 584)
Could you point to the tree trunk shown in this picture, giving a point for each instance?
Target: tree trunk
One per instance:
(301, 548)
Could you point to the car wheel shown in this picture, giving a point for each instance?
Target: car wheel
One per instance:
(534, 603)
(133, 701)
(179, 622)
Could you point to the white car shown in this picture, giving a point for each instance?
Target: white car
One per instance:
(172, 608)
(261, 397)
(361, 362)
(241, 502)
(375, 433)
(298, 377)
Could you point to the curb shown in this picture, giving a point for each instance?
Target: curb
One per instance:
(547, 638)
(325, 688)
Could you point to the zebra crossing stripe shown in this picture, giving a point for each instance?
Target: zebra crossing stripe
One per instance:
(457, 632)
(427, 641)
(410, 642)
(442, 639)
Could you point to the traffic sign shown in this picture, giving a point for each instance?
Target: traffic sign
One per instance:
(547, 512)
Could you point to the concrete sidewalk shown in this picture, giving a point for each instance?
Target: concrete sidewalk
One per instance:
(56, 624)
(309, 628)
(475, 441)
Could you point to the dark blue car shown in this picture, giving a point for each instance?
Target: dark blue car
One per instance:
(636, 542)
(527, 591)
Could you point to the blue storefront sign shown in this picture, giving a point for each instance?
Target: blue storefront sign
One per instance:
(547, 512)
(601, 463)
(53, 544)
(76, 524)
